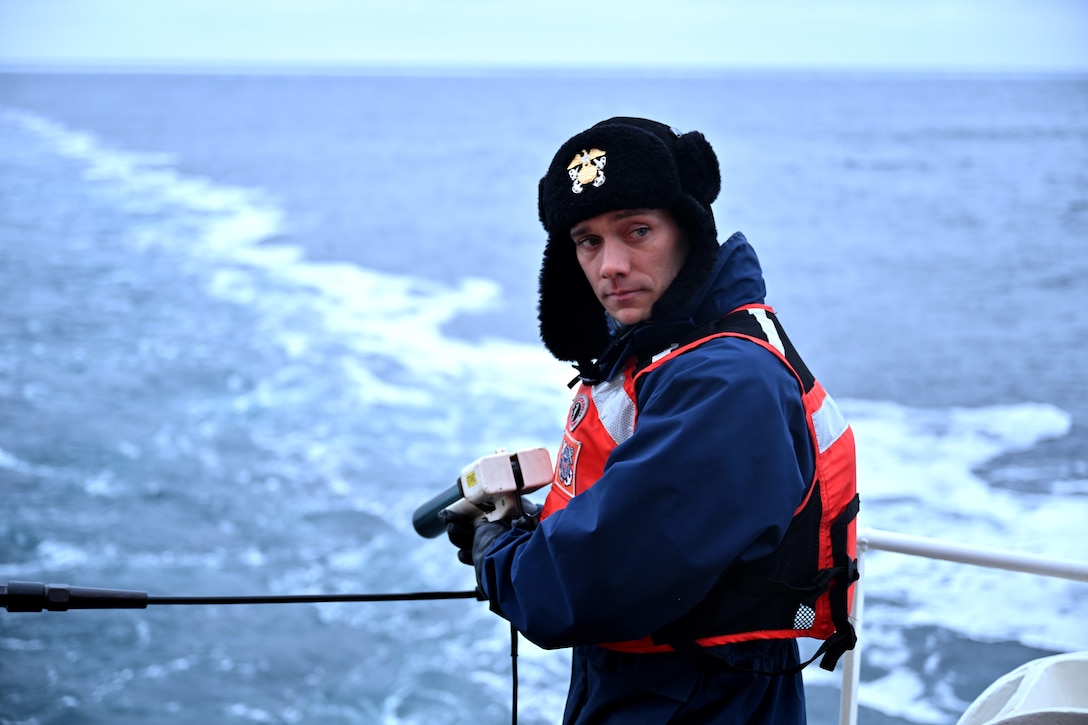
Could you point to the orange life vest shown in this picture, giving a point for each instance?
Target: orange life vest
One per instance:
(803, 588)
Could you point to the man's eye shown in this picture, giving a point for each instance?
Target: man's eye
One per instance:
(641, 231)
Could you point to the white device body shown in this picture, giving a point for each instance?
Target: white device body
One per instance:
(490, 483)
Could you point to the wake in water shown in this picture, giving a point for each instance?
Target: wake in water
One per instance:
(204, 408)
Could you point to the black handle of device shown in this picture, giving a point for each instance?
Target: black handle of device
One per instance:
(425, 519)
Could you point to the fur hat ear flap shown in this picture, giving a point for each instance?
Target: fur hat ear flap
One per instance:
(698, 165)
(572, 320)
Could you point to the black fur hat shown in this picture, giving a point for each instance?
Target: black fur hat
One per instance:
(621, 163)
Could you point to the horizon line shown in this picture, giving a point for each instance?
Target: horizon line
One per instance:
(465, 69)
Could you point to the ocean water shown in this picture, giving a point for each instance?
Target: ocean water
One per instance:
(249, 323)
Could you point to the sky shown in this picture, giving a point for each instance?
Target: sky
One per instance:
(952, 35)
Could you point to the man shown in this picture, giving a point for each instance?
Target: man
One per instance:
(700, 516)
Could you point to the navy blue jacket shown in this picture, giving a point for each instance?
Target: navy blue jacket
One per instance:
(718, 462)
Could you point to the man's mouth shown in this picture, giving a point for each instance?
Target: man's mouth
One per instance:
(621, 295)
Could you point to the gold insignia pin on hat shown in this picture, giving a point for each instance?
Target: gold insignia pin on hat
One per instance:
(587, 168)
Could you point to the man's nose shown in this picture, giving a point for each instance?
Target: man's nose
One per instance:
(615, 260)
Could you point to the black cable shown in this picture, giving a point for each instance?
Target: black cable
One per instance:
(34, 597)
(20, 596)
(311, 598)
(514, 672)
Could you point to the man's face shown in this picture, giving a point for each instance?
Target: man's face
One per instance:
(630, 258)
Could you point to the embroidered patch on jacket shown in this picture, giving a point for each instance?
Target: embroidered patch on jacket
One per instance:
(566, 464)
(577, 411)
(587, 168)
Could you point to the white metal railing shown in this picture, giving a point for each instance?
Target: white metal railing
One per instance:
(934, 549)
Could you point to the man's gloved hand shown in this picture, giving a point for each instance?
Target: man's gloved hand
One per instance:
(486, 533)
(473, 535)
(461, 530)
